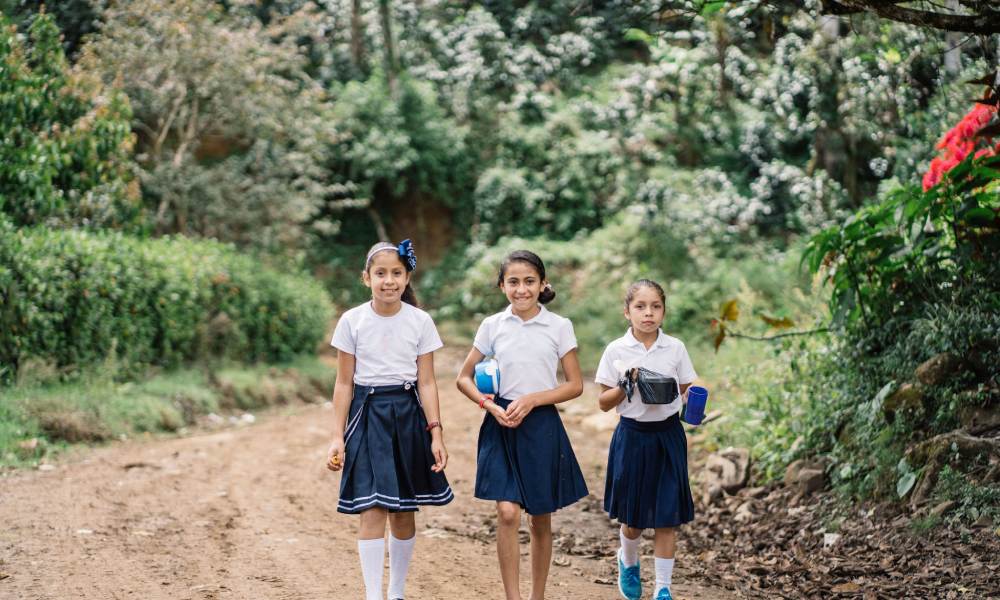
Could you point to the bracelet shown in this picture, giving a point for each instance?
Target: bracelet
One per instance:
(482, 403)
(434, 424)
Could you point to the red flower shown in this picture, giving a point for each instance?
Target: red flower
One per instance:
(959, 141)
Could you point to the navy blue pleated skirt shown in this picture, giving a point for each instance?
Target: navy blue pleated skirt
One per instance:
(388, 457)
(647, 481)
(532, 464)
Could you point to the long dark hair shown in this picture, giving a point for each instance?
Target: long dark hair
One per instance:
(534, 261)
(635, 287)
(408, 295)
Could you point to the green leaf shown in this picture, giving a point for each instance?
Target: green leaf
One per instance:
(980, 215)
(638, 35)
(905, 484)
(880, 397)
(710, 8)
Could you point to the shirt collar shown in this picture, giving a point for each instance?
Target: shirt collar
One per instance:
(631, 340)
(544, 317)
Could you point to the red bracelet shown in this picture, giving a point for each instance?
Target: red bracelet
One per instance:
(434, 424)
(482, 403)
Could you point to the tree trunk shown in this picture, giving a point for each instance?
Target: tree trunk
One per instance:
(391, 66)
(721, 47)
(357, 38)
(953, 55)
(380, 230)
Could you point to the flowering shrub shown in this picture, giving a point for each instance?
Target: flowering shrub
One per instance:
(961, 141)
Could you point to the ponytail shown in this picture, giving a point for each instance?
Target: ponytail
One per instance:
(409, 296)
(547, 294)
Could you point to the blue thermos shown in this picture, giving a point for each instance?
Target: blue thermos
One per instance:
(488, 376)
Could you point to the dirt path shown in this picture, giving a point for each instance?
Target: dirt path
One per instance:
(250, 513)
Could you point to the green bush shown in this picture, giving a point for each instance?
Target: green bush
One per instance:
(73, 299)
(913, 278)
(67, 140)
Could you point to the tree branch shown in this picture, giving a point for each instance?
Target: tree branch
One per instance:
(985, 22)
(768, 338)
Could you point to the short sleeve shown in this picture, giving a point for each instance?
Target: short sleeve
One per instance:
(344, 338)
(606, 372)
(483, 341)
(429, 338)
(567, 338)
(685, 370)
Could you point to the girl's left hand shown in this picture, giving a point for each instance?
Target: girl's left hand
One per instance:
(440, 454)
(519, 409)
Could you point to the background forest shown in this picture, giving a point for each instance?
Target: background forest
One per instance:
(192, 182)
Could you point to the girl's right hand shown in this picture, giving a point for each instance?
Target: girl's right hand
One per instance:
(494, 409)
(335, 456)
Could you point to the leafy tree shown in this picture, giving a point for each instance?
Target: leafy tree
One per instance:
(233, 135)
(75, 18)
(64, 158)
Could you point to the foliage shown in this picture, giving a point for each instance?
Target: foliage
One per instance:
(914, 247)
(66, 139)
(75, 18)
(233, 135)
(973, 500)
(591, 272)
(74, 299)
(399, 146)
(913, 277)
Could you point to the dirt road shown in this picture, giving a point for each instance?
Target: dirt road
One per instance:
(250, 513)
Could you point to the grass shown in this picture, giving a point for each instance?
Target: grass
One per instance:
(40, 418)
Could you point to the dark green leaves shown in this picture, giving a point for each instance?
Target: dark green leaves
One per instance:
(878, 256)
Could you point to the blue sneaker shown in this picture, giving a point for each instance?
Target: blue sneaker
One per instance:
(664, 594)
(629, 583)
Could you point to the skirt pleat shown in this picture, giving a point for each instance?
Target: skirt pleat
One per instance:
(388, 454)
(647, 480)
(532, 464)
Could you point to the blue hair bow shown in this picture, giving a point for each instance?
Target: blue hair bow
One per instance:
(407, 254)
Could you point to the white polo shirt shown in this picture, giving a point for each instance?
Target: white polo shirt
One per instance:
(385, 348)
(528, 351)
(666, 356)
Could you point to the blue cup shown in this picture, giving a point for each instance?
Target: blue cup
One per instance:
(487, 377)
(694, 410)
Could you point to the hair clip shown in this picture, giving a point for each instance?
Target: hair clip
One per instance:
(405, 249)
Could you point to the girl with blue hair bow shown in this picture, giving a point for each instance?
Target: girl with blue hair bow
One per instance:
(387, 431)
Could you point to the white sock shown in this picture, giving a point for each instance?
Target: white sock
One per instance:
(400, 552)
(372, 554)
(630, 549)
(664, 573)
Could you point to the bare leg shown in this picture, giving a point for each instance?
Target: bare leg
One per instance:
(509, 548)
(372, 524)
(665, 542)
(403, 525)
(541, 553)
